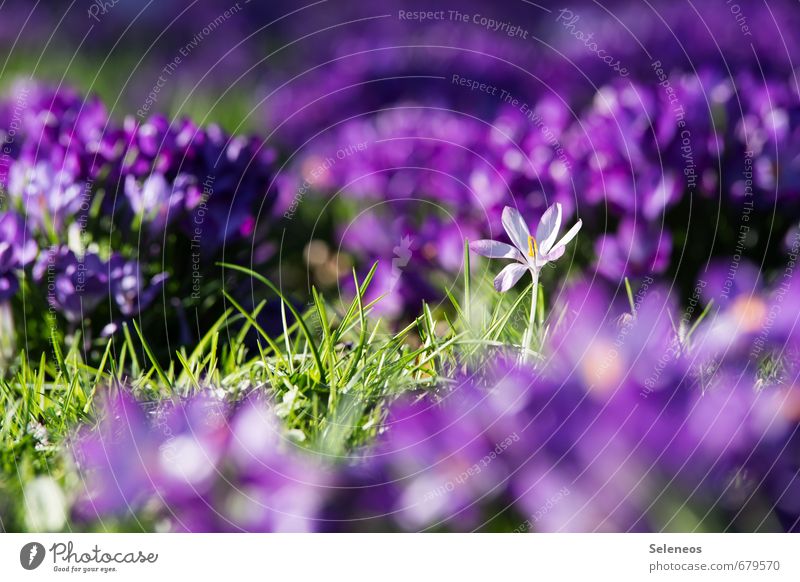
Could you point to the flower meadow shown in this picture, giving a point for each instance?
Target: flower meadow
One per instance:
(476, 266)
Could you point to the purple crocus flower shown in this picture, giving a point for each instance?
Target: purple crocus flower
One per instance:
(128, 288)
(441, 459)
(279, 487)
(200, 465)
(76, 285)
(60, 126)
(531, 252)
(17, 250)
(730, 416)
(157, 145)
(235, 173)
(193, 438)
(616, 141)
(609, 352)
(637, 249)
(746, 324)
(51, 198)
(116, 461)
(767, 138)
(725, 281)
(154, 200)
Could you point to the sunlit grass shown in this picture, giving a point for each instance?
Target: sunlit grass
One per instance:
(332, 371)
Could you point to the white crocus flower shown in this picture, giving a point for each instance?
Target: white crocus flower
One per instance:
(531, 252)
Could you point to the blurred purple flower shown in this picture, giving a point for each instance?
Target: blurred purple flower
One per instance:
(154, 200)
(76, 285)
(440, 461)
(637, 249)
(50, 198)
(115, 461)
(723, 281)
(17, 250)
(130, 292)
(199, 464)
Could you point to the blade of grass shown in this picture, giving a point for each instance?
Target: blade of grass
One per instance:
(303, 326)
(270, 342)
(629, 292)
(153, 361)
(356, 358)
(467, 285)
(96, 381)
(188, 369)
(135, 366)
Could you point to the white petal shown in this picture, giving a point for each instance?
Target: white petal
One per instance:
(509, 276)
(494, 249)
(548, 228)
(571, 233)
(555, 253)
(516, 228)
(558, 250)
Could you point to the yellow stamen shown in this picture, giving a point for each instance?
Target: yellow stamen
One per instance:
(533, 248)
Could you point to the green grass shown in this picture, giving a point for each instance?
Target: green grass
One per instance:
(332, 372)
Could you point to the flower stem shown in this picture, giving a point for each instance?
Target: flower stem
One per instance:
(527, 339)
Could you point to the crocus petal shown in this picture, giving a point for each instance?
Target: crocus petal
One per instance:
(516, 228)
(509, 276)
(133, 193)
(548, 228)
(155, 191)
(571, 233)
(555, 253)
(495, 250)
(663, 194)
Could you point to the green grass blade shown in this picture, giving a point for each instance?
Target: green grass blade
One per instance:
(303, 326)
(159, 370)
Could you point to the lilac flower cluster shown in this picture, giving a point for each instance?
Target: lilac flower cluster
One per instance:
(373, 62)
(639, 150)
(78, 182)
(432, 176)
(76, 285)
(632, 419)
(205, 466)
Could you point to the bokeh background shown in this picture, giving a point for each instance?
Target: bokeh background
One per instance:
(307, 139)
(311, 79)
